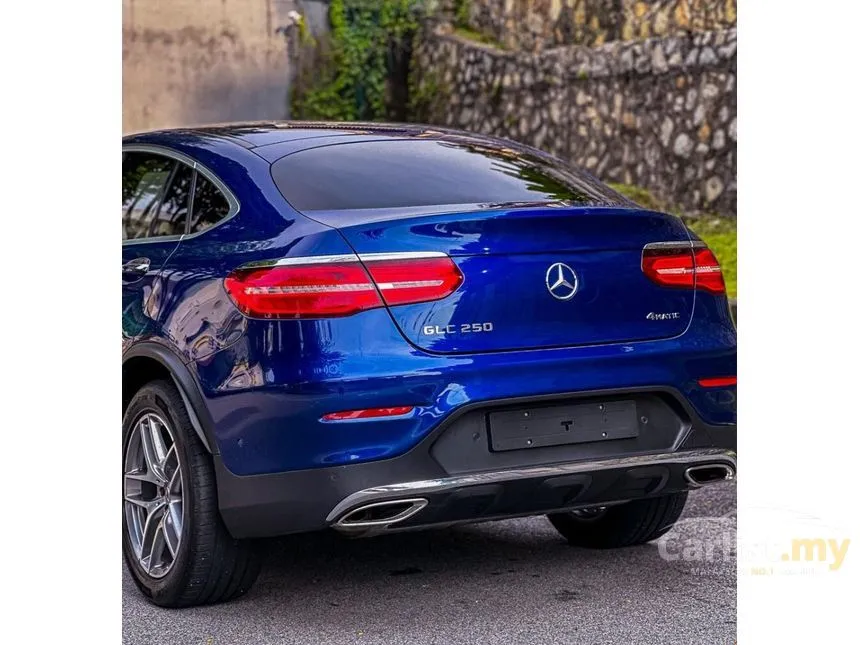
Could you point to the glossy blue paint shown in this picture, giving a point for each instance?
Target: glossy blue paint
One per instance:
(137, 289)
(267, 383)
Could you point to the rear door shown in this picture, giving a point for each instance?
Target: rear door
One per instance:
(155, 197)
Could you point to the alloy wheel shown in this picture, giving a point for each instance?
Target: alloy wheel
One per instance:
(153, 496)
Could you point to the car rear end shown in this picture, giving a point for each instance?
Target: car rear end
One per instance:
(483, 334)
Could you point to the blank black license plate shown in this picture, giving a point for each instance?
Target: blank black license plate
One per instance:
(562, 425)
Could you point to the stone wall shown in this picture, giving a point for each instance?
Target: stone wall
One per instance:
(200, 61)
(658, 113)
(538, 24)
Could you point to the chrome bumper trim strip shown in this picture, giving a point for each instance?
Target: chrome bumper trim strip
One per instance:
(431, 486)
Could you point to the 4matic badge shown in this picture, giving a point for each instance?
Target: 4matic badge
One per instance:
(669, 315)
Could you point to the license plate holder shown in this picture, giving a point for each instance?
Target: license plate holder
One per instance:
(541, 426)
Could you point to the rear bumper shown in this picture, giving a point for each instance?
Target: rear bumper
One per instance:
(452, 476)
(267, 409)
(526, 491)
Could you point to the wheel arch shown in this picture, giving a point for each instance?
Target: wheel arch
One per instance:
(146, 362)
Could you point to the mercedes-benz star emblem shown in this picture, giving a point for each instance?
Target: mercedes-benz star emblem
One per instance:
(561, 281)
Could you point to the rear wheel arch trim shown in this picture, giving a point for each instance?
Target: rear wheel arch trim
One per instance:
(185, 384)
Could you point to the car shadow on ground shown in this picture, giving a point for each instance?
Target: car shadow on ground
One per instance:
(324, 587)
(461, 562)
(481, 549)
(527, 547)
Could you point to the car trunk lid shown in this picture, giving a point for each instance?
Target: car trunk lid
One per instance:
(534, 276)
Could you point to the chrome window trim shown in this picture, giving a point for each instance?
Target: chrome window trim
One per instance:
(198, 167)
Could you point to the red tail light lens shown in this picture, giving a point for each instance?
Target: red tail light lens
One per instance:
(670, 267)
(404, 282)
(709, 276)
(327, 287)
(679, 265)
(310, 291)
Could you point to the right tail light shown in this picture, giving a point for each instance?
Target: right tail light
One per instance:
(680, 264)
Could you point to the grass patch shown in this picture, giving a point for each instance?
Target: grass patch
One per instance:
(641, 196)
(476, 37)
(719, 233)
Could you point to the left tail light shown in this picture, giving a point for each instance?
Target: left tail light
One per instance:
(680, 264)
(336, 286)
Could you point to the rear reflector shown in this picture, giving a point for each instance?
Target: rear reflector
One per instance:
(719, 381)
(682, 265)
(322, 287)
(370, 413)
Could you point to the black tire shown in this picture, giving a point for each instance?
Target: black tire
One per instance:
(635, 522)
(210, 566)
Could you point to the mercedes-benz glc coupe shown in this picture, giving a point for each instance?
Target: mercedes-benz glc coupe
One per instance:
(371, 328)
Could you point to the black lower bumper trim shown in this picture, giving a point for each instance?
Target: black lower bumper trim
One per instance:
(486, 486)
(530, 491)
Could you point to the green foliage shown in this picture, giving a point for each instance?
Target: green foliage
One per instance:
(428, 96)
(461, 13)
(476, 36)
(641, 196)
(464, 29)
(305, 35)
(355, 75)
(496, 94)
(719, 233)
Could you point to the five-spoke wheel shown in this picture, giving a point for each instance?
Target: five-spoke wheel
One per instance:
(175, 544)
(153, 495)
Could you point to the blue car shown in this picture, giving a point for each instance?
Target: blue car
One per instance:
(372, 328)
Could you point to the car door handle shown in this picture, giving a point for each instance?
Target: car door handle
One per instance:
(138, 266)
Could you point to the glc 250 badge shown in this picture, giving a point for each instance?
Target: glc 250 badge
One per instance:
(464, 328)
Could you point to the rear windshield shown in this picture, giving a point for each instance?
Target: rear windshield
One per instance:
(410, 173)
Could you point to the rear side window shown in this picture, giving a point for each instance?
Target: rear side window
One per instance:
(144, 180)
(210, 205)
(412, 173)
(171, 216)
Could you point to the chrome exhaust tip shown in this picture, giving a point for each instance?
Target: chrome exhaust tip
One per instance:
(379, 515)
(698, 476)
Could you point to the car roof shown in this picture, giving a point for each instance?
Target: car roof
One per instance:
(274, 139)
(256, 134)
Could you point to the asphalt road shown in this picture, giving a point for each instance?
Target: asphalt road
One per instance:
(511, 582)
